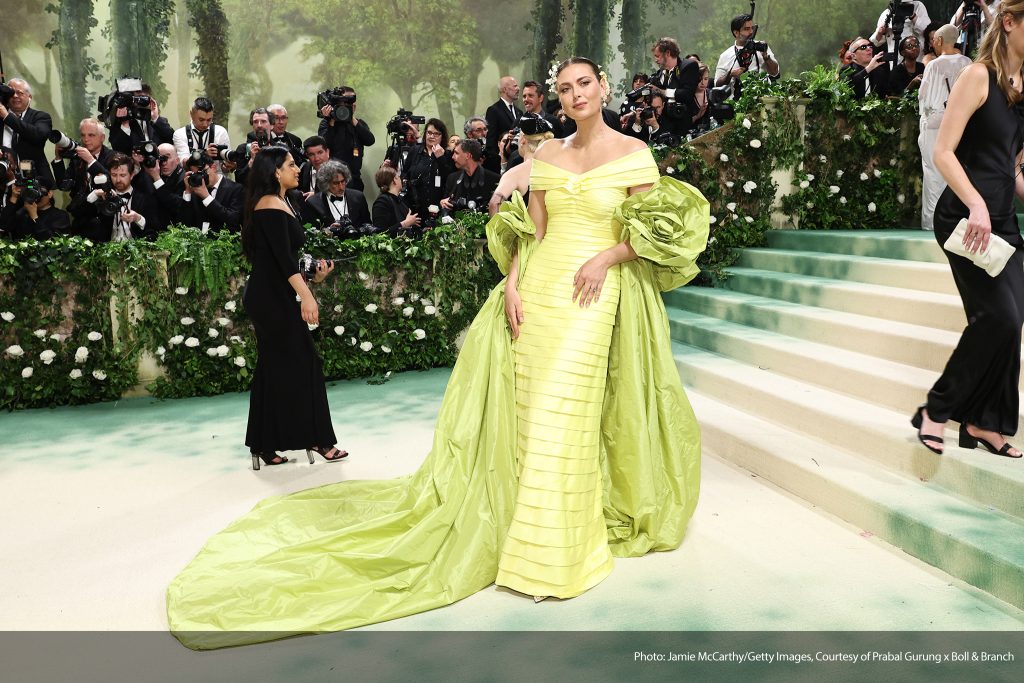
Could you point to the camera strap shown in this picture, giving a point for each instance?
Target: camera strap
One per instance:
(199, 139)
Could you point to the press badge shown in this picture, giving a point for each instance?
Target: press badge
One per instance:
(355, 152)
(437, 181)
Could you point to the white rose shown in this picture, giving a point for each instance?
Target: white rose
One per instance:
(75, 374)
(236, 339)
(385, 349)
(749, 186)
(222, 351)
(712, 220)
(724, 157)
(371, 308)
(407, 311)
(834, 189)
(669, 170)
(901, 198)
(729, 184)
(892, 162)
(810, 205)
(363, 276)
(733, 216)
(181, 290)
(81, 354)
(863, 176)
(351, 341)
(339, 330)
(878, 173)
(822, 158)
(872, 208)
(447, 220)
(731, 206)
(839, 173)
(175, 340)
(40, 334)
(160, 351)
(187, 321)
(749, 219)
(7, 316)
(239, 361)
(433, 208)
(223, 322)
(712, 240)
(414, 297)
(57, 337)
(842, 200)
(95, 336)
(229, 306)
(387, 374)
(366, 346)
(810, 177)
(746, 123)
(99, 374)
(846, 138)
(47, 356)
(212, 332)
(419, 334)
(429, 310)
(755, 143)
(15, 351)
(191, 342)
(211, 352)
(312, 326)
(27, 372)
(398, 301)
(804, 184)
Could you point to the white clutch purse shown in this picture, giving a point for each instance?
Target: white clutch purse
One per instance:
(992, 260)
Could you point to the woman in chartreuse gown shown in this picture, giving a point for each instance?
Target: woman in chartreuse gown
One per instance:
(564, 438)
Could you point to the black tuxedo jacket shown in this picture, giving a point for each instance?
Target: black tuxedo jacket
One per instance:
(223, 213)
(83, 174)
(123, 143)
(89, 223)
(52, 221)
(858, 77)
(346, 143)
(30, 136)
(306, 184)
(499, 121)
(388, 213)
(677, 116)
(316, 213)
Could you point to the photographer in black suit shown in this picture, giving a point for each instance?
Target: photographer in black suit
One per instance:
(334, 200)
(676, 80)
(261, 120)
(167, 181)
(25, 130)
(315, 149)
(210, 202)
(476, 128)
(472, 187)
(347, 139)
(89, 158)
(114, 212)
(389, 210)
(279, 133)
(127, 132)
(426, 169)
(503, 115)
(38, 218)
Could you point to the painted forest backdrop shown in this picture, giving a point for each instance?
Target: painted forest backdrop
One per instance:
(438, 57)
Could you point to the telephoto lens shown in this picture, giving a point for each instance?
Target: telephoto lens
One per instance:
(65, 145)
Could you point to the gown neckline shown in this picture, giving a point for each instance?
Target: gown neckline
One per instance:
(599, 166)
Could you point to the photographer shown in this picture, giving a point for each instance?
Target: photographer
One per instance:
(335, 204)
(409, 137)
(630, 105)
(676, 81)
(867, 72)
(985, 11)
(88, 158)
(127, 132)
(315, 148)
(915, 23)
(346, 135)
(476, 128)
(645, 123)
(389, 211)
(261, 121)
(113, 212)
(279, 132)
(427, 168)
(202, 134)
(166, 180)
(745, 56)
(38, 218)
(210, 202)
(25, 130)
(473, 185)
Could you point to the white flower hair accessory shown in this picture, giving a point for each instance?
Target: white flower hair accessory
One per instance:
(602, 76)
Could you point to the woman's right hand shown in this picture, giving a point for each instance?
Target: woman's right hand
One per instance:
(310, 310)
(410, 220)
(979, 228)
(513, 309)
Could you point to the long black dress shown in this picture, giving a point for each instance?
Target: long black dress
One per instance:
(979, 383)
(288, 400)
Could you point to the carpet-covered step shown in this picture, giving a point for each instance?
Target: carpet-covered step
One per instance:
(981, 546)
(916, 275)
(873, 431)
(942, 311)
(923, 347)
(908, 245)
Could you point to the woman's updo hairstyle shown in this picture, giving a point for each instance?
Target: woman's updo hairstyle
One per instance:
(593, 66)
(262, 180)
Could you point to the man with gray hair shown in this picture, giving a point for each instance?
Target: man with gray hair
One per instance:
(476, 128)
(335, 202)
(279, 133)
(25, 130)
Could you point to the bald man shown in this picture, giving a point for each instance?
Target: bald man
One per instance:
(502, 116)
(25, 130)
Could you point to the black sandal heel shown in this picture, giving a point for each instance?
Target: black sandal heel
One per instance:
(338, 456)
(967, 440)
(916, 421)
(268, 459)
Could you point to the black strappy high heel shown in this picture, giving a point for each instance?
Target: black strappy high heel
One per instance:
(338, 454)
(967, 440)
(269, 459)
(916, 421)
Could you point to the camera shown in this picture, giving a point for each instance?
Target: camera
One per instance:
(25, 178)
(307, 266)
(465, 204)
(648, 113)
(232, 155)
(6, 92)
(124, 97)
(340, 102)
(147, 149)
(111, 205)
(65, 146)
(196, 164)
(398, 124)
(664, 137)
(639, 94)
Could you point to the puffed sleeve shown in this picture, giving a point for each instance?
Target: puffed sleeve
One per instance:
(507, 228)
(667, 225)
(274, 227)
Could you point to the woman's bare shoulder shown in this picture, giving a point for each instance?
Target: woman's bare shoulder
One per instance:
(270, 201)
(551, 149)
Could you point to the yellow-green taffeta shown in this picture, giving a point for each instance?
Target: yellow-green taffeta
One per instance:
(551, 455)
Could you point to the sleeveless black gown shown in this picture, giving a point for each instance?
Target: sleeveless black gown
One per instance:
(288, 399)
(979, 384)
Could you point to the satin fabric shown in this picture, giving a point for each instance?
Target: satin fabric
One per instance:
(356, 553)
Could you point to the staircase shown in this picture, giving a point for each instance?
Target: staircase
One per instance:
(804, 368)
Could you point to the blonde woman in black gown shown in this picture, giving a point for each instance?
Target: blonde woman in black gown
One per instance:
(288, 401)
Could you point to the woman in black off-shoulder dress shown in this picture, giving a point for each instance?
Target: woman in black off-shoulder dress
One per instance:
(288, 401)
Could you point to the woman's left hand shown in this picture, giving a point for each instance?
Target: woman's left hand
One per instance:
(588, 281)
(323, 269)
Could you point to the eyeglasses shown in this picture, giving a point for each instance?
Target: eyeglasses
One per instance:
(865, 46)
(433, 133)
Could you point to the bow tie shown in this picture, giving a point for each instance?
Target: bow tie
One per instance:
(126, 195)
(334, 198)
